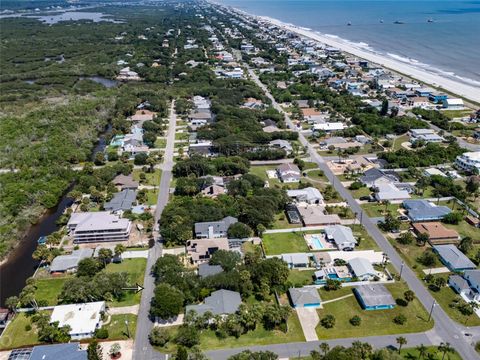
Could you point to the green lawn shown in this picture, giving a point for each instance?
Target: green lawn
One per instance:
(465, 229)
(301, 277)
(317, 175)
(280, 243)
(16, 334)
(49, 289)
(152, 179)
(363, 191)
(160, 143)
(374, 322)
(152, 196)
(260, 171)
(365, 240)
(117, 329)
(259, 336)
(378, 210)
(399, 140)
(182, 136)
(281, 222)
(136, 270)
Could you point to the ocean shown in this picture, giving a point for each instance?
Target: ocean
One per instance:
(449, 44)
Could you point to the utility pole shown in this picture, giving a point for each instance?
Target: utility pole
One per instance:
(128, 330)
(401, 269)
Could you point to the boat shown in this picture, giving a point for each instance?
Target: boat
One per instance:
(42, 240)
(398, 22)
(430, 20)
(349, 23)
(381, 21)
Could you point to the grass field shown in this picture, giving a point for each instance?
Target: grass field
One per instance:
(300, 278)
(152, 179)
(378, 210)
(259, 336)
(160, 143)
(117, 329)
(280, 243)
(376, 322)
(136, 270)
(152, 196)
(413, 353)
(16, 334)
(49, 289)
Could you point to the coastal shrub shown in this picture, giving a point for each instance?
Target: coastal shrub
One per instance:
(101, 333)
(356, 320)
(328, 321)
(158, 337)
(400, 319)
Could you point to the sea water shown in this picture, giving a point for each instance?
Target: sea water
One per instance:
(449, 43)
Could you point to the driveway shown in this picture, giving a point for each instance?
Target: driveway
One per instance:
(309, 320)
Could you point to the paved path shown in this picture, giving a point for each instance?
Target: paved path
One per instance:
(445, 328)
(308, 318)
(124, 310)
(337, 299)
(143, 349)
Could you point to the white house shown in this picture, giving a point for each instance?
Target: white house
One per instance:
(289, 173)
(330, 126)
(342, 236)
(453, 104)
(83, 319)
(468, 161)
(309, 195)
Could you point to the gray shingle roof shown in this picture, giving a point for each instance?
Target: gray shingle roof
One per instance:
(454, 257)
(305, 295)
(68, 262)
(340, 234)
(206, 269)
(375, 295)
(459, 281)
(121, 201)
(69, 351)
(220, 226)
(473, 277)
(219, 302)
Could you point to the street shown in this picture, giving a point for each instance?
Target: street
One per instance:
(142, 348)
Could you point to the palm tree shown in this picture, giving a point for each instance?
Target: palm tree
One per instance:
(445, 348)
(385, 203)
(422, 350)
(401, 341)
(473, 306)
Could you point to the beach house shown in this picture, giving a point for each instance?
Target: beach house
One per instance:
(374, 297)
(83, 319)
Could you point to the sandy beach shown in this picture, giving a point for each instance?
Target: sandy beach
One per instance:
(467, 91)
(451, 85)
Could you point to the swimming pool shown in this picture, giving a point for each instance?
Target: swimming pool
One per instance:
(316, 242)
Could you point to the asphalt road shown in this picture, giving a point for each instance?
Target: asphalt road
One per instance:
(445, 328)
(142, 348)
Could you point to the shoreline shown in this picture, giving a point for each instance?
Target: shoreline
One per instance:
(436, 80)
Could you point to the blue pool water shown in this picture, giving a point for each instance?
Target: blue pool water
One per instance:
(316, 243)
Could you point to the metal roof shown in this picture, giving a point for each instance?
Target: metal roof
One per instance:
(67, 262)
(122, 200)
(220, 226)
(419, 210)
(361, 267)
(340, 234)
(206, 269)
(70, 351)
(454, 257)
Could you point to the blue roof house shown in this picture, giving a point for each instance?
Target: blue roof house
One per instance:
(423, 210)
(453, 258)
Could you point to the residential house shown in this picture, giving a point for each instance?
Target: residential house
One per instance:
(462, 286)
(125, 182)
(296, 260)
(214, 229)
(69, 351)
(329, 126)
(426, 135)
(437, 233)
(437, 97)
(362, 268)
(304, 297)
(309, 195)
(281, 144)
(374, 297)
(289, 173)
(204, 148)
(121, 201)
(213, 191)
(453, 258)
(311, 115)
(342, 236)
(473, 278)
(98, 227)
(83, 319)
(201, 250)
(374, 176)
(220, 302)
(469, 161)
(423, 210)
(315, 216)
(69, 263)
(453, 104)
(389, 192)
